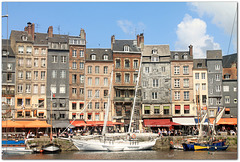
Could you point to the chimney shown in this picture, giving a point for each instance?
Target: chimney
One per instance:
(30, 29)
(190, 50)
(112, 41)
(82, 34)
(50, 31)
(140, 40)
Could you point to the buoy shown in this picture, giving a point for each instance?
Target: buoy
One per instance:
(171, 142)
(41, 151)
(134, 136)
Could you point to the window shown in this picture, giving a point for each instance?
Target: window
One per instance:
(227, 99)
(118, 93)
(217, 77)
(203, 75)
(89, 93)
(97, 105)
(204, 86)
(105, 93)
(105, 105)
(54, 59)
(146, 69)
(185, 83)
(81, 91)
(81, 116)
(186, 95)
(146, 109)
(74, 53)
(211, 112)
(105, 70)
(177, 109)
(218, 88)
(29, 62)
(42, 89)
(9, 77)
(176, 57)
(54, 74)
(20, 88)
(105, 57)
(218, 101)
(28, 75)
(74, 91)
(204, 99)
(118, 77)
(154, 95)
(81, 65)
(211, 80)
(211, 101)
(235, 89)
(154, 51)
(63, 74)
(53, 88)
(197, 86)
(227, 111)
(81, 53)
(118, 62)
(226, 76)
(185, 57)
(127, 78)
(74, 78)
(105, 81)
(43, 62)
(126, 93)
(126, 48)
(196, 75)
(9, 101)
(155, 59)
(97, 117)
(63, 59)
(176, 70)
(176, 83)
(156, 109)
(186, 109)
(89, 69)
(27, 101)
(20, 61)
(217, 67)
(20, 75)
(199, 65)
(93, 57)
(144, 95)
(145, 83)
(81, 78)
(74, 105)
(155, 82)
(35, 75)
(135, 64)
(135, 76)
(62, 88)
(36, 51)
(90, 105)
(235, 100)
(166, 110)
(43, 74)
(20, 49)
(43, 51)
(28, 88)
(163, 69)
(62, 116)
(127, 63)
(211, 91)
(177, 95)
(97, 93)
(74, 65)
(9, 66)
(29, 50)
(185, 69)
(35, 88)
(97, 69)
(89, 81)
(19, 102)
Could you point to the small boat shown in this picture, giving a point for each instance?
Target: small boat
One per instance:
(15, 147)
(51, 148)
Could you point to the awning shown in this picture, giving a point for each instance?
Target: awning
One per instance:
(226, 121)
(62, 124)
(227, 109)
(101, 123)
(11, 124)
(184, 121)
(205, 122)
(80, 123)
(186, 107)
(158, 123)
(73, 113)
(25, 124)
(177, 107)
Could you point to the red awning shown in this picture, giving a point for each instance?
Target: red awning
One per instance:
(81, 114)
(81, 102)
(177, 107)
(227, 109)
(74, 102)
(158, 123)
(73, 113)
(80, 123)
(186, 107)
(225, 121)
(101, 123)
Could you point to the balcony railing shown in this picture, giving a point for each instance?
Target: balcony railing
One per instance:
(8, 92)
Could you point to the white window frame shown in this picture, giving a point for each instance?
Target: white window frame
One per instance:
(53, 88)
(42, 89)
(35, 73)
(105, 57)
(217, 77)
(81, 65)
(105, 81)
(126, 48)
(63, 59)
(62, 88)
(74, 65)
(89, 94)
(20, 49)
(176, 70)
(197, 76)
(185, 69)
(28, 88)
(35, 89)
(43, 62)
(155, 83)
(203, 75)
(146, 69)
(97, 81)
(227, 99)
(89, 69)
(93, 57)
(54, 74)
(54, 59)
(89, 80)
(74, 53)
(28, 49)
(105, 69)
(225, 88)
(9, 67)
(177, 95)
(154, 95)
(176, 83)
(185, 83)
(20, 88)
(218, 88)
(81, 53)
(63, 74)
(217, 67)
(204, 86)
(186, 95)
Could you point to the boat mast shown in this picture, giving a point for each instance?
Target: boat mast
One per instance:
(51, 117)
(108, 105)
(134, 102)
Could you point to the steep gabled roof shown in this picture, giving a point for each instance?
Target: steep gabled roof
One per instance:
(119, 45)
(229, 59)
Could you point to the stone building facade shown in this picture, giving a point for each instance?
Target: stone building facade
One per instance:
(214, 65)
(99, 65)
(8, 79)
(126, 58)
(156, 82)
(77, 53)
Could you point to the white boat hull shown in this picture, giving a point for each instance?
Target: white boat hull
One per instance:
(15, 150)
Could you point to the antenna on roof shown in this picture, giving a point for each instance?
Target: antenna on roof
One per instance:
(37, 26)
(58, 28)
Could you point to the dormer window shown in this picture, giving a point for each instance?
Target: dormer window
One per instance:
(105, 57)
(55, 45)
(199, 65)
(93, 57)
(176, 57)
(185, 56)
(126, 48)
(227, 76)
(154, 51)
(24, 38)
(155, 59)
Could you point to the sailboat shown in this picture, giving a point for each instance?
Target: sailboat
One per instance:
(51, 147)
(104, 144)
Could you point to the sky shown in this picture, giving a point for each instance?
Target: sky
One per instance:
(205, 25)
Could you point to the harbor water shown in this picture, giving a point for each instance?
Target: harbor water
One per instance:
(229, 154)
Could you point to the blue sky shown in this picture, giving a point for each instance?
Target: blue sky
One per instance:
(206, 25)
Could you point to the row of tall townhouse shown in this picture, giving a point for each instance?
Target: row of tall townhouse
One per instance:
(173, 86)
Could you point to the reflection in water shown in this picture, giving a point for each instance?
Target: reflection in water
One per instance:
(136, 155)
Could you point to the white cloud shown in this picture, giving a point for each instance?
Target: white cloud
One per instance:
(130, 28)
(222, 15)
(193, 31)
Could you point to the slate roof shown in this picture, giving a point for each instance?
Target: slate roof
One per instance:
(181, 54)
(99, 52)
(199, 61)
(162, 50)
(18, 35)
(214, 54)
(5, 48)
(229, 59)
(41, 38)
(119, 45)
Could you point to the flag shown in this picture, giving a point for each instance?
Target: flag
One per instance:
(218, 109)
